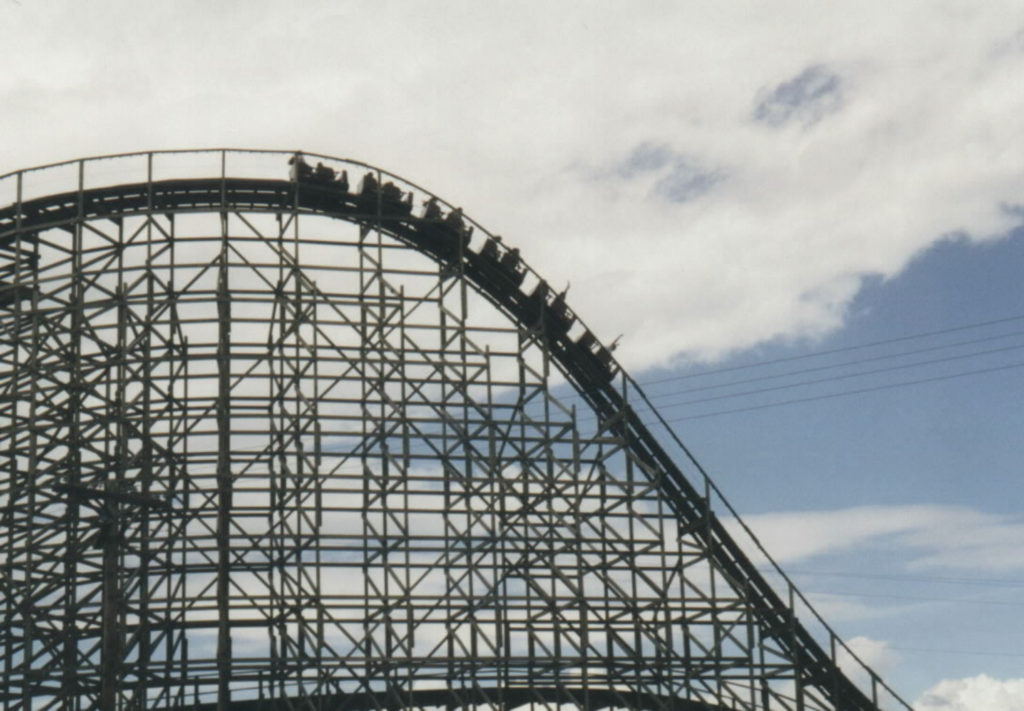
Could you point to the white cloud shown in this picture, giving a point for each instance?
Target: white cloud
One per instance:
(890, 127)
(933, 537)
(978, 693)
(862, 653)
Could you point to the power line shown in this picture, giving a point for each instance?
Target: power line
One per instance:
(587, 415)
(832, 351)
(906, 578)
(834, 366)
(846, 393)
(845, 376)
(919, 598)
(955, 651)
(838, 365)
(976, 582)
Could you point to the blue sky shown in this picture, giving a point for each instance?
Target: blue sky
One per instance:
(724, 184)
(891, 464)
(948, 442)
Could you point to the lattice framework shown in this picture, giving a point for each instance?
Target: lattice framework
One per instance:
(283, 441)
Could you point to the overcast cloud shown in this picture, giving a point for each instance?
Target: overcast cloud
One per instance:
(677, 162)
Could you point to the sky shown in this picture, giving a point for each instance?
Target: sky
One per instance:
(808, 216)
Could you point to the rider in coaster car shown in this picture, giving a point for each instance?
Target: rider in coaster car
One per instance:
(391, 192)
(455, 221)
(324, 174)
(369, 184)
(300, 168)
(431, 210)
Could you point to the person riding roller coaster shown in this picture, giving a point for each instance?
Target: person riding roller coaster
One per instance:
(369, 185)
(323, 174)
(300, 168)
(302, 172)
(431, 210)
(392, 198)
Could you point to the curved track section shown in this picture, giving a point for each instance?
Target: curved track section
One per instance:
(285, 444)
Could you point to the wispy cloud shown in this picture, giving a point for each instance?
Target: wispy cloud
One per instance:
(930, 537)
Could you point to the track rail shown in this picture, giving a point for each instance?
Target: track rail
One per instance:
(499, 274)
(496, 270)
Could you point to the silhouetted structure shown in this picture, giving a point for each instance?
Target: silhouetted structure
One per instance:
(271, 444)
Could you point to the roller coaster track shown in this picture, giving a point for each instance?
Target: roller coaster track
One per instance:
(502, 278)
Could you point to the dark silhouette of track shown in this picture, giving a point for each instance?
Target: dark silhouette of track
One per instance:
(499, 275)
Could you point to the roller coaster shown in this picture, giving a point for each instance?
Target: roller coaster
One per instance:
(276, 443)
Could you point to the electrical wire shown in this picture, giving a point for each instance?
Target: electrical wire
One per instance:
(586, 415)
(904, 578)
(846, 393)
(933, 650)
(974, 582)
(917, 598)
(846, 376)
(832, 351)
(833, 366)
(906, 353)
